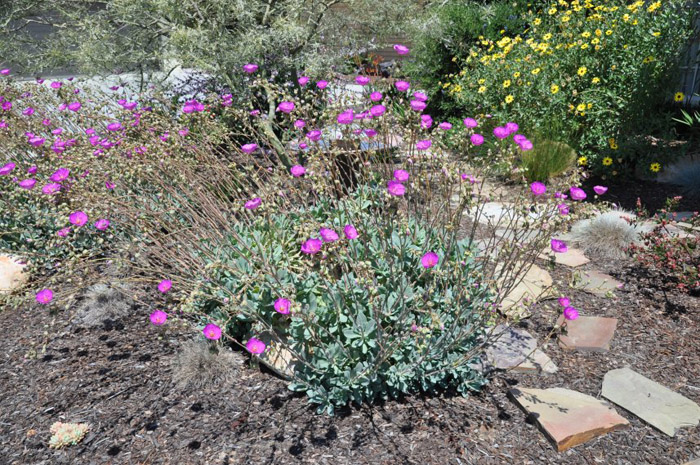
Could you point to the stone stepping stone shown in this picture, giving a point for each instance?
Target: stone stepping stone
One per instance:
(494, 212)
(693, 462)
(516, 349)
(12, 274)
(657, 405)
(572, 258)
(587, 333)
(276, 357)
(596, 282)
(567, 417)
(536, 284)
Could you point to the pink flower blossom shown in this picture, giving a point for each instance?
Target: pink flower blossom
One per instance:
(165, 285)
(429, 260)
(563, 209)
(577, 193)
(558, 246)
(362, 80)
(255, 346)
(75, 106)
(470, 122)
(102, 224)
(158, 317)
(418, 105)
(300, 123)
(525, 145)
(322, 84)
(7, 168)
(311, 246)
(27, 184)
(51, 188)
(369, 132)
(346, 117)
(500, 132)
(44, 296)
(59, 175)
(395, 188)
(477, 139)
(37, 141)
(512, 127)
(110, 185)
(402, 86)
(377, 110)
(538, 188)
(445, 126)
(114, 126)
(600, 190)
(570, 313)
(350, 232)
(297, 170)
(401, 49)
(56, 85)
(63, 232)
(423, 144)
(249, 148)
(303, 80)
(468, 177)
(78, 218)
(328, 235)
(564, 301)
(250, 68)
(286, 107)
(426, 121)
(253, 203)
(401, 175)
(282, 306)
(5, 71)
(376, 96)
(314, 135)
(212, 332)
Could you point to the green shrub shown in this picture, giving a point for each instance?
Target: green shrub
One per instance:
(547, 160)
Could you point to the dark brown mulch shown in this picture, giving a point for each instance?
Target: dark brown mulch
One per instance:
(118, 379)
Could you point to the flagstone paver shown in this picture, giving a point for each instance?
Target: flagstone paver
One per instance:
(535, 284)
(572, 257)
(657, 405)
(588, 333)
(567, 417)
(596, 282)
(516, 349)
(693, 462)
(12, 274)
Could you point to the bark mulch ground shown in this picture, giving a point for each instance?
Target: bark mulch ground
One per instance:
(118, 378)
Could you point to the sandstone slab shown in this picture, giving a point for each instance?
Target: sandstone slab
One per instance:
(588, 333)
(572, 257)
(596, 282)
(657, 405)
(516, 349)
(536, 284)
(276, 356)
(12, 274)
(567, 417)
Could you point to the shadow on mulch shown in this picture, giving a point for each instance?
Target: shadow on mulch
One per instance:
(652, 194)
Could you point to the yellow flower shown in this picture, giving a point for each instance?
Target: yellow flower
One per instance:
(679, 97)
(482, 89)
(582, 161)
(625, 17)
(546, 37)
(612, 143)
(565, 19)
(506, 83)
(537, 21)
(482, 80)
(595, 41)
(653, 7)
(655, 167)
(608, 32)
(656, 34)
(586, 34)
(536, 71)
(595, 80)
(516, 74)
(509, 99)
(582, 71)
(552, 11)
(554, 88)
(598, 32)
(581, 107)
(584, 46)
(607, 161)
(589, 106)
(648, 59)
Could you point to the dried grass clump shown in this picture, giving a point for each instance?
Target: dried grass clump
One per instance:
(196, 366)
(607, 235)
(102, 302)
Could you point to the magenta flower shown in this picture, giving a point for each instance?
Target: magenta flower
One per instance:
(37, 141)
(500, 132)
(110, 185)
(158, 317)
(5, 71)
(445, 126)
(255, 346)
(75, 106)
(418, 105)
(212, 332)
(362, 80)
(300, 123)
(395, 188)
(282, 306)
(600, 190)
(165, 285)
(525, 145)
(470, 122)
(429, 260)
(297, 170)
(328, 235)
(114, 126)
(60, 174)
(401, 49)
(56, 84)
(27, 184)
(423, 144)
(468, 177)
(253, 203)
(401, 175)
(303, 80)
(102, 224)
(402, 86)
(538, 188)
(369, 132)
(559, 246)
(314, 135)
(377, 110)
(250, 68)
(286, 107)
(376, 96)
(322, 84)
(7, 168)
(570, 313)
(563, 209)
(51, 188)
(426, 121)
(346, 117)
(350, 232)
(249, 148)
(519, 138)
(28, 111)
(78, 218)
(477, 139)
(311, 246)
(577, 193)
(564, 301)
(512, 127)
(420, 96)
(44, 296)
(184, 131)
(63, 232)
